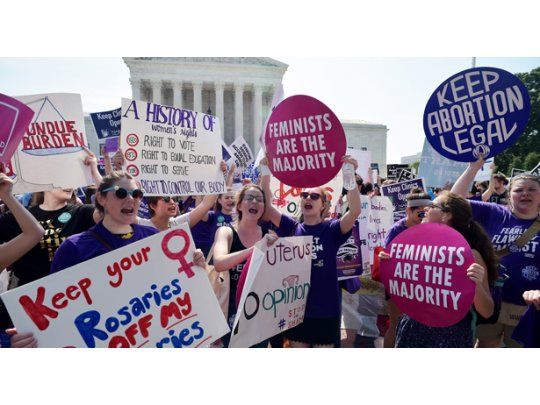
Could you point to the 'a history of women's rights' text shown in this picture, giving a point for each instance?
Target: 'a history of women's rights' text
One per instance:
(426, 275)
(120, 299)
(171, 151)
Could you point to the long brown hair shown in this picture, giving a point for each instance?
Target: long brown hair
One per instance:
(472, 231)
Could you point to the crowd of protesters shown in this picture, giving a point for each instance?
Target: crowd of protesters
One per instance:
(499, 219)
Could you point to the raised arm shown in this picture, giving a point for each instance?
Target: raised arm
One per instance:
(201, 211)
(346, 222)
(91, 161)
(466, 178)
(31, 233)
(270, 212)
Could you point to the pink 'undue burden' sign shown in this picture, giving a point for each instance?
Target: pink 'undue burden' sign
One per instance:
(427, 274)
(14, 119)
(304, 142)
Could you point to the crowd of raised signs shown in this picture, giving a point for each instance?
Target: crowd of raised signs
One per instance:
(282, 258)
(47, 232)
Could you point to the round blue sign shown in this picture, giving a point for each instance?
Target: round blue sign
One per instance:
(476, 112)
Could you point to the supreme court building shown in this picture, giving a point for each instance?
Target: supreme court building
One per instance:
(237, 90)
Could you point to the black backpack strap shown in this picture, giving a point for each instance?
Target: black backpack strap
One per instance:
(101, 240)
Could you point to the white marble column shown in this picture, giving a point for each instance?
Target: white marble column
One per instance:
(156, 91)
(177, 94)
(136, 88)
(220, 87)
(197, 96)
(257, 116)
(238, 110)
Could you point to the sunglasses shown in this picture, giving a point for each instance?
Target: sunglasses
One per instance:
(250, 198)
(122, 193)
(314, 196)
(166, 199)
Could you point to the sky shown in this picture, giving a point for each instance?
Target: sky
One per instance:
(388, 91)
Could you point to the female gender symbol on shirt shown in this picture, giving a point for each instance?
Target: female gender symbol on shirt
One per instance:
(185, 266)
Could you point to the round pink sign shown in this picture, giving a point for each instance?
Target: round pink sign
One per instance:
(427, 274)
(304, 142)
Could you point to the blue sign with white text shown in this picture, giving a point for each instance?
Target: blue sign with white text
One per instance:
(477, 112)
(107, 123)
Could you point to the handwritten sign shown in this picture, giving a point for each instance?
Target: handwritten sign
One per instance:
(375, 222)
(427, 274)
(398, 192)
(275, 292)
(287, 199)
(304, 142)
(476, 112)
(171, 151)
(14, 118)
(51, 153)
(147, 294)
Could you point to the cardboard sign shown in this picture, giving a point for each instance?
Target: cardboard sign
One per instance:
(171, 151)
(147, 294)
(287, 199)
(375, 222)
(305, 142)
(349, 256)
(436, 170)
(397, 193)
(14, 119)
(427, 274)
(107, 123)
(275, 291)
(476, 112)
(393, 170)
(51, 153)
(241, 153)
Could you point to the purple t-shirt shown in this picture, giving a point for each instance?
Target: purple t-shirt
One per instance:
(323, 299)
(522, 267)
(396, 229)
(527, 331)
(84, 246)
(204, 232)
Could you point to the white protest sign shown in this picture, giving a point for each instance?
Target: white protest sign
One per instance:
(287, 199)
(147, 294)
(241, 153)
(484, 174)
(375, 220)
(51, 153)
(275, 291)
(171, 151)
(364, 162)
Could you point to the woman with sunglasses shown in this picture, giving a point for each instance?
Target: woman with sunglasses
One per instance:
(118, 199)
(454, 211)
(234, 244)
(321, 326)
(519, 264)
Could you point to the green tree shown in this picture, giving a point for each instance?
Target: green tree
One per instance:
(415, 166)
(526, 150)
